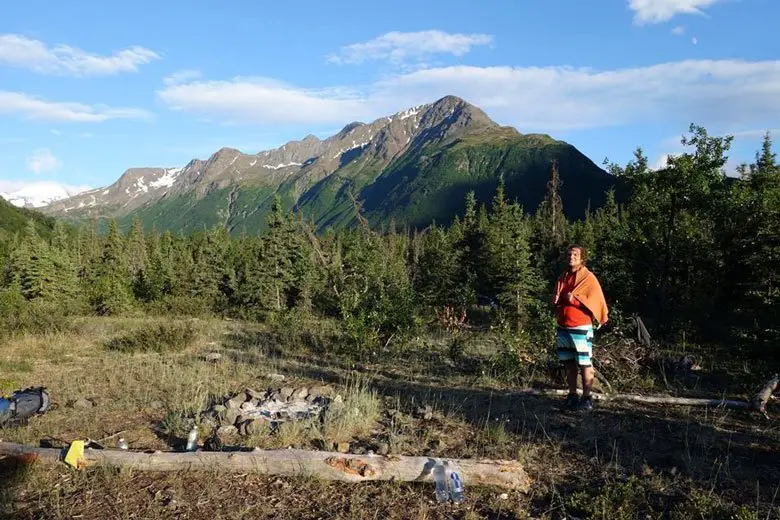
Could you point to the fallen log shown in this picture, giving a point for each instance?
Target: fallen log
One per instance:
(654, 399)
(763, 396)
(291, 462)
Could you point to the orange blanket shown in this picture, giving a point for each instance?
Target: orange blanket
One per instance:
(588, 291)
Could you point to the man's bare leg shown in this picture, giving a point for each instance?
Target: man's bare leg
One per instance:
(571, 375)
(587, 380)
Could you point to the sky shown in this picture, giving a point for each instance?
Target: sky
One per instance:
(89, 89)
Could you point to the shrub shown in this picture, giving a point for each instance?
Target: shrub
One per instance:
(18, 315)
(158, 338)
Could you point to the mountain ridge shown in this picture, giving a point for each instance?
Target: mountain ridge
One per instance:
(378, 160)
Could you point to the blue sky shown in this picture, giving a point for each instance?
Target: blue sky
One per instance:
(89, 89)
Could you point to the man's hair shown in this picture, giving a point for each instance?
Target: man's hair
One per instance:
(583, 251)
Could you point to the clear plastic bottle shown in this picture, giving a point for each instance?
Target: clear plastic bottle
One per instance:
(192, 439)
(457, 493)
(122, 444)
(440, 479)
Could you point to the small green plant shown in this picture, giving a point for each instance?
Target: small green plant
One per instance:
(158, 338)
(354, 415)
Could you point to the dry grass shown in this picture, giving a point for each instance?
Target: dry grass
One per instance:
(617, 462)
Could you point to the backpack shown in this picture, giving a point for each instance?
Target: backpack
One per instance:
(22, 405)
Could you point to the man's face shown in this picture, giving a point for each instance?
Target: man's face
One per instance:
(575, 258)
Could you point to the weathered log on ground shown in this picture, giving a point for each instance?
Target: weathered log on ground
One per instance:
(763, 396)
(653, 399)
(292, 462)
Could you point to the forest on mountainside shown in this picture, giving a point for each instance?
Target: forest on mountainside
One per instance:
(692, 251)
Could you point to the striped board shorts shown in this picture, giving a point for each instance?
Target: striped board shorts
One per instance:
(575, 343)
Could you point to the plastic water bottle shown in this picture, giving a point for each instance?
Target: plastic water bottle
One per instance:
(440, 479)
(192, 439)
(456, 485)
(122, 444)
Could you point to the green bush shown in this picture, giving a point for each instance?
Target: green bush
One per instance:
(158, 338)
(18, 315)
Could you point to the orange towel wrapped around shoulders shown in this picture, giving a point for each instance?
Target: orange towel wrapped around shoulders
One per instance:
(588, 291)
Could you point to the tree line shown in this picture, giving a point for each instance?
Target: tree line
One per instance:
(692, 250)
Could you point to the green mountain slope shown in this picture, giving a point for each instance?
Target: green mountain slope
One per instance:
(414, 167)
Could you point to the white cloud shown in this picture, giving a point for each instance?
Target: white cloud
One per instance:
(400, 46)
(755, 134)
(679, 30)
(694, 40)
(30, 107)
(19, 51)
(182, 76)
(264, 100)
(43, 161)
(657, 11)
(725, 92)
(56, 132)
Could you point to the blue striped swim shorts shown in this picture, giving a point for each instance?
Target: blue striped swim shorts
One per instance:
(575, 343)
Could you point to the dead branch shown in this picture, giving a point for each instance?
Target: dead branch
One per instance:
(653, 399)
(292, 462)
(763, 396)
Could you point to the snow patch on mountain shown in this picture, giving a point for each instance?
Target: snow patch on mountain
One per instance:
(41, 193)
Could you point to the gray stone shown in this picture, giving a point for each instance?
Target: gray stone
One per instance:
(300, 393)
(255, 426)
(359, 450)
(286, 392)
(227, 430)
(320, 391)
(236, 401)
(382, 448)
(255, 394)
(275, 377)
(231, 415)
(156, 405)
(247, 406)
(82, 404)
(213, 357)
(209, 421)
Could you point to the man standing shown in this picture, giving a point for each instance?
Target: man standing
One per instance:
(578, 301)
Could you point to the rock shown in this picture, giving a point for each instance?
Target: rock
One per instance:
(236, 401)
(247, 406)
(320, 391)
(255, 426)
(300, 393)
(275, 377)
(212, 357)
(382, 448)
(209, 421)
(231, 415)
(286, 392)
(255, 394)
(82, 404)
(342, 447)
(156, 405)
(338, 399)
(425, 413)
(359, 450)
(227, 430)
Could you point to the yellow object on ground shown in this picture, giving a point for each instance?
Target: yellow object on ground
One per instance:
(75, 455)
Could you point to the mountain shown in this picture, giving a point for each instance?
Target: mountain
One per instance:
(39, 194)
(415, 167)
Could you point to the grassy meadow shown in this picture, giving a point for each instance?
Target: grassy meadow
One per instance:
(442, 395)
